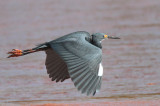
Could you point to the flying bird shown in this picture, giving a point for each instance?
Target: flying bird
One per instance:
(77, 55)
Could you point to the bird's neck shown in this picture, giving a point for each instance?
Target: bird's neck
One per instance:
(97, 43)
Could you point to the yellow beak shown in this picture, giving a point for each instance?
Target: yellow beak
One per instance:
(105, 36)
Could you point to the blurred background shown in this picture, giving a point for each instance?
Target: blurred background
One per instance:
(131, 64)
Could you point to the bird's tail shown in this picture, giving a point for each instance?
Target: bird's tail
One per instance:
(17, 52)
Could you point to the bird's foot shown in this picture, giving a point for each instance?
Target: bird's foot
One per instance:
(15, 53)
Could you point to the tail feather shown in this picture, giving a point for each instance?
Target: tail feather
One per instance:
(43, 45)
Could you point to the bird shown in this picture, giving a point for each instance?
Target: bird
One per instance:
(77, 55)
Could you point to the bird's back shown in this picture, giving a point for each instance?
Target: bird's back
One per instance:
(77, 35)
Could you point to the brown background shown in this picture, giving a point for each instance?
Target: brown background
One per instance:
(131, 65)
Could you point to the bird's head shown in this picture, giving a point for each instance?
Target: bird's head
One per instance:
(98, 37)
(102, 36)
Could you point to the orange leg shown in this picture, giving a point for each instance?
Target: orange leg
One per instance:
(17, 53)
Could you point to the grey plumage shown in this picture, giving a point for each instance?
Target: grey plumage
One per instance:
(55, 65)
(77, 56)
(81, 57)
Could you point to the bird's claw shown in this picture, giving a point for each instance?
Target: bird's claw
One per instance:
(15, 53)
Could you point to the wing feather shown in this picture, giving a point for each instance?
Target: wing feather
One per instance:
(56, 67)
(82, 60)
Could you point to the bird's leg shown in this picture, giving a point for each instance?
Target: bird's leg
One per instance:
(17, 53)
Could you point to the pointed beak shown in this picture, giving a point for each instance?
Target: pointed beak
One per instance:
(113, 37)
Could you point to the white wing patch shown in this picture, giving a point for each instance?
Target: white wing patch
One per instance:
(100, 71)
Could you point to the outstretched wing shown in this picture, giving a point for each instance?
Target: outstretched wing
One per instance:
(56, 67)
(83, 62)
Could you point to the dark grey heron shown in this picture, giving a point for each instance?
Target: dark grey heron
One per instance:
(77, 55)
